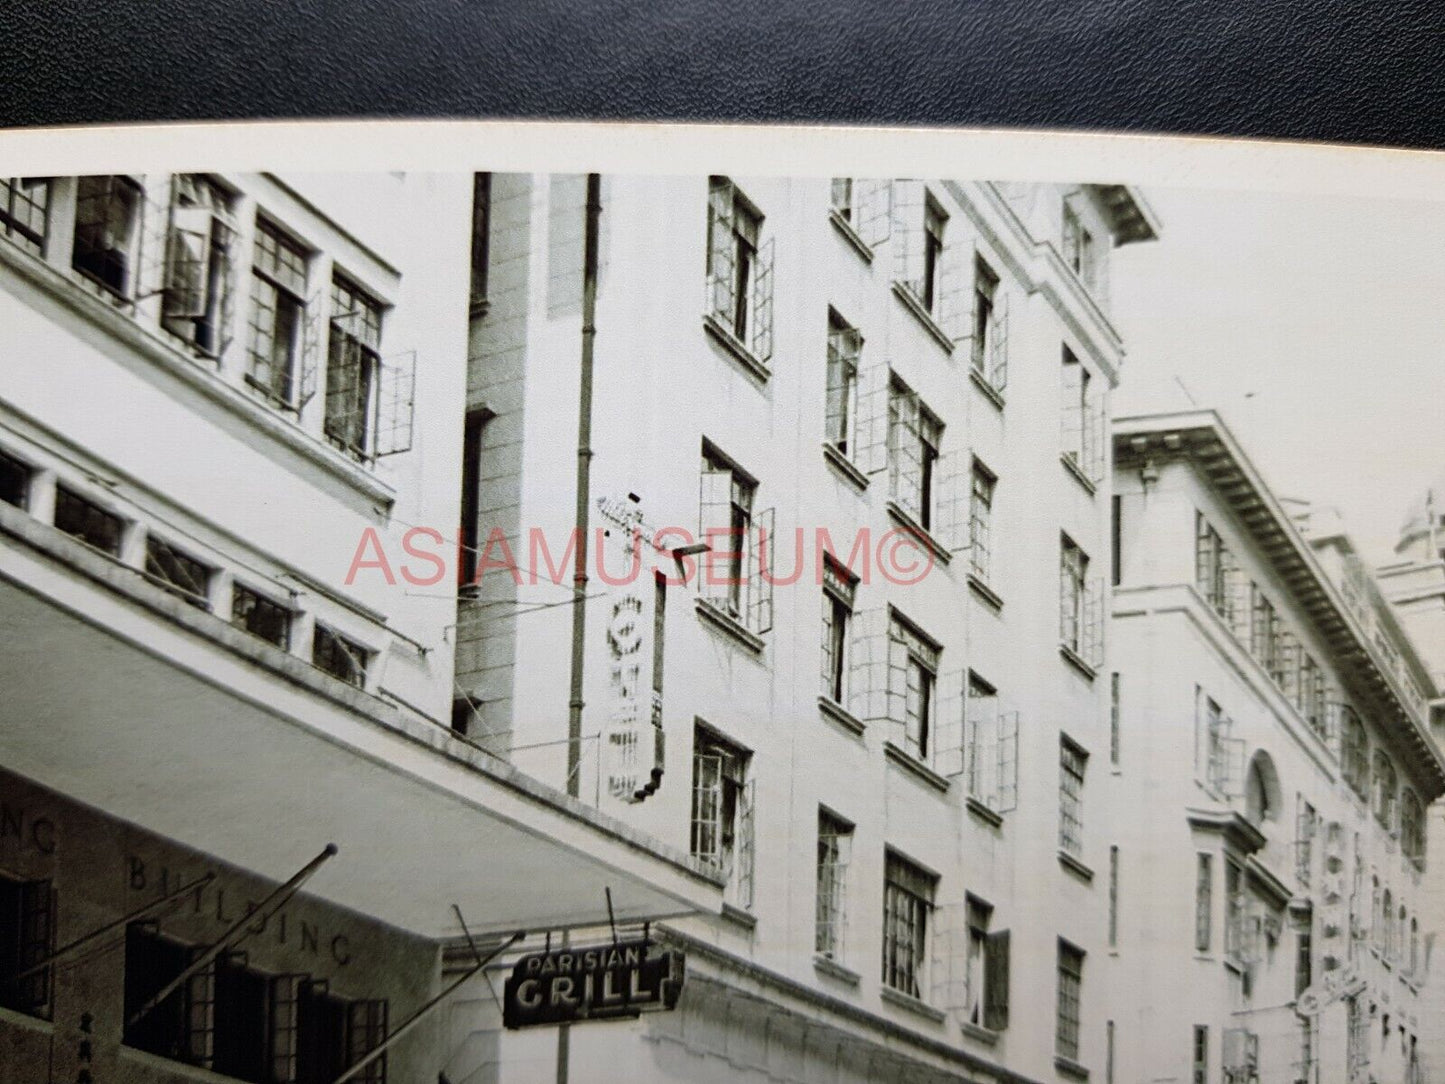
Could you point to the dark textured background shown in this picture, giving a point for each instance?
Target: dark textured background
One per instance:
(1341, 70)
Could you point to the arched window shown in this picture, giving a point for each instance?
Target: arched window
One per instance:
(1384, 786)
(1412, 826)
(1354, 751)
(1261, 790)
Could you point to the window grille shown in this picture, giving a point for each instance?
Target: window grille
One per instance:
(1072, 761)
(980, 520)
(27, 936)
(991, 762)
(285, 328)
(867, 206)
(908, 894)
(835, 843)
(178, 572)
(89, 522)
(738, 572)
(339, 656)
(739, 269)
(366, 1027)
(260, 616)
(845, 347)
(24, 211)
(1071, 980)
(988, 327)
(722, 813)
(107, 244)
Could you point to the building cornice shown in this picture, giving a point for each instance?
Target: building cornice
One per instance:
(1238, 833)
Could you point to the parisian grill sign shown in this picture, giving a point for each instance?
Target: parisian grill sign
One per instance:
(602, 983)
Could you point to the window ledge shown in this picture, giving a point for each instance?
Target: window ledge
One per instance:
(834, 970)
(1070, 1068)
(730, 626)
(119, 322)
(992, 394)
(755, 366)
(986, 594)
(982, 1035)
(990, 817)
(739, 916)
(172, 1067)
(924, 317)
(15, 1019)
(906, 521)
(843, 226)
(835, 711)
(1076, 867)
(1072, 466)
(845, 466)
(912, 1004)
(1074, 659)
(915, 767)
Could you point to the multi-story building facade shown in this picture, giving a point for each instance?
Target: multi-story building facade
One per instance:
(892, 396)
(223, 398)
(1267, 800)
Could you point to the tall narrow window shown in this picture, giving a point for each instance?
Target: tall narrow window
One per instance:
(987, 969)
(199, 298)
(980, 520)
(739, 269)
(1116, 539)
(845, 348)
(1078, 620)
(1210, 564)
(1203, 901)
(1078, 246)
(1071, 981)
(469, 541)
(481, 234)
(1233, 910)
(934, 221)
(1114, 720)
(920, 662)
(27, 936)
(727, 525)
(107, 231)
(1412, 827)
(1306, 828)
(1109, 1052)
(1199, 1060)
(985, 294)
(1385, 786)
(24, 211)
(1303, 963)
(339, 656)
(1072, 760)
(14, 481)
(835, 844)
(280, 367)
(84, 519)
(722, 812)
(1355, 751)
(839, 587)
(908, 893)
(352, 368)
(1114, 896)
(1082, 419)
(914, 437)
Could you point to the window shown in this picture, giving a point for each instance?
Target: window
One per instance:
(24, 209)
(1412, 826)
(980, 518)
(1200, 1057)
(1080, 630)
(920, 665)
(261, 617)
(282, 348)
(1114, 719)
(1116, 539)
(1306, 828)
(1072, 761)
(732, 579)
(241, 1029)
(1312, 693)
(1211, 565)
(839, 587)
(1233, 910)
(1079, 251)
(1218, 747)
(934, 220)
(1071, 981)
(845, 347)
(1083, 420)
(739, 269)
(338, 656)
(27, 936)
(481, 234)
(835, 846)
(1384, 785)
(991, 748)
(866, 206)
(1259, 803)
(1109, 1052)
(1385, 926)
(908, 893)
(1303, 962)
(722, 812)
(1203, 901)
(469, 542)
(987, 969)
(1415, 946)
(1354, 751)
(353, 366)
(178, 572)
(985, 349)
(1114, 896)
(182, 1026)
(914, 436)
(14, 481)
(199, 298)
(87, 521)
(1265, 639)
(107, 231)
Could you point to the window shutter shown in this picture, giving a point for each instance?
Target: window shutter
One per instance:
(148, 276)
(872, 433)
(310, 358)
(395, 404)
(721, 258)
(996, 981)
(982, 754)
(1091, 639)
(707, 773)
(955, 289)
(1096, 437)
(366, 1024)
(952, 490)
(1008, 762)
(897, 698)
(905, 463)
(908, 234)
(746, 843)
(285, 1021)
(188, 263)
(762, 302)
(225, 236)
(868, 658)
(1072, 417)
(948, 967)
(948, 742)
(1236, 588)
(998, 341)
(761, 570)
(1233, 782)
(715, 515)
(873, 203)
(37, 941)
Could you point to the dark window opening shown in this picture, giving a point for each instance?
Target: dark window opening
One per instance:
(178, 1027)
(260, 616)
(27, 936)
(107, 229)
(470, 539)
(481, 234)
(353, 365)
(279, 365)
(181, 575)
(338, 656)
(24, 211)
(87, 521)
(199, 295)
(933, 222)
(14, 481)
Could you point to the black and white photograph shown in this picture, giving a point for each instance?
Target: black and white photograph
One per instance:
(495, 602)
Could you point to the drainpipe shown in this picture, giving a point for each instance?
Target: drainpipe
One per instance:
(584, 478)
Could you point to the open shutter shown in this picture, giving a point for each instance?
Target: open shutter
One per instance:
(761, 571)
(36, 942)
(284, 1024)
(310, 359)
(1093, 634)
(148, 276)
(998, 341)
(948, 965)
(955, 288)
(746, 843)
(224, 237)
(715, 516)
(873, 204)
(188, 263)
(872, 433)
(868, 658)
(366, 1025)
(897, 699)
(201, 1014)
(1289, 650)
(706, 842)
(762, 302)
(953, 477)
(905, 453)
(721, 253)
(1072, 415)
(1008, 762)
(1233, 753)
(982, 756)
(396, 404)
(996, 981)
(1097, 435)
(948, 744)
(908, 234)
